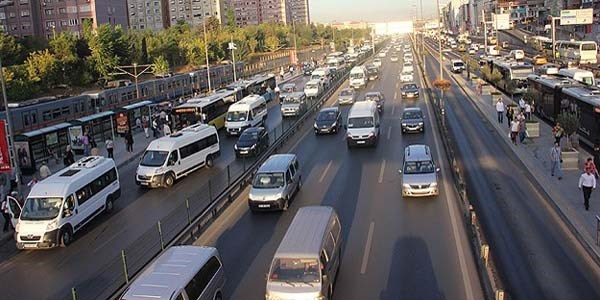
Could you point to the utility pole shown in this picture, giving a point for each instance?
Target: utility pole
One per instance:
(552, 18)
(485, 49)
(232, 47)
(422, 35)
(206, 53)
(295, 44)
(122, 71)
(440, 39)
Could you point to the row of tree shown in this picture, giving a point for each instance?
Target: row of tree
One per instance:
(35, 68)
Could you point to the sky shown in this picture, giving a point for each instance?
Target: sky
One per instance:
(326, 11)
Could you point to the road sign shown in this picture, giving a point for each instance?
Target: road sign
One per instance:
(501, 21)
(576, 16)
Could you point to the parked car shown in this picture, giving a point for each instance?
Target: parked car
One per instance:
(329, 120)
(252, 142)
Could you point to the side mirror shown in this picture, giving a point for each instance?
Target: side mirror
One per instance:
(399, 171)
(324, 277)
(66, 213)
(437, 169)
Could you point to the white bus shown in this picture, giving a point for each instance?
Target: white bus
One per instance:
(248, 112)
(577, 52)
(60, 205)
(171, 157)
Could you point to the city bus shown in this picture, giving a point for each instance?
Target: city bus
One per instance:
(209, 110)
(577, 52)
(261, 84)
(542, 44)
(515, 72)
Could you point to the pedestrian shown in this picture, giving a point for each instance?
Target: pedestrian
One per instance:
(166, 129)
(5, 214)
(500, 110)
(44, 170)
(138, 123)
(281, 72)
(590, 165)
(510, 113)
(129, 141)
(587, 183)
(514, 130)
(94, 147)
(522, 104)
(574, 140)
(558, 133)
(154, 128)
(556, 160)
(85, 141)
(528, 111)
(277, 93)
(521, 116)
(68, 156)
(33, 181)
(145, 126)
(109, 145)
(522, 131)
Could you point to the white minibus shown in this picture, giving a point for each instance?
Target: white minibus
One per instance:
(248, 112)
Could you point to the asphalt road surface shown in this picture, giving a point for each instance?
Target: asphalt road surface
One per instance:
(394, 248)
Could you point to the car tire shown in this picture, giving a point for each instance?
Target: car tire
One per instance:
(209, 161)
(109, 205)
(66, 236)
(169, 180)
(286, 204)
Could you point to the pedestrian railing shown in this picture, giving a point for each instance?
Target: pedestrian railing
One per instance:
(185, 223)
(486, 266)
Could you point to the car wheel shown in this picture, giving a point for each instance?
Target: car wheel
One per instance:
(286, 205)
(109, 206)
(209, 161)
(169, 180)
(66, 236)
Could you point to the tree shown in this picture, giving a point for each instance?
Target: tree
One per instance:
(11, 52)
(42, 67)
(193, 48)
(569, 122)
(272, 43)
(161, 65)
(107, 46)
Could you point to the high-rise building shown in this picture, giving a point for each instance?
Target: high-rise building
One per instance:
(21, 19)
(193, 11)
(254, 12)
(297, 12)
(147, 14)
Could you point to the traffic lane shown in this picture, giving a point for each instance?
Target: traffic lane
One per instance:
(537, 255)
(137, 212)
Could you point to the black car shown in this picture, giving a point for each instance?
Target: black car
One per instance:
(329, 120)
(410, 90)
(412, 120)
(377, 97)
(252, 142)
(307, 70)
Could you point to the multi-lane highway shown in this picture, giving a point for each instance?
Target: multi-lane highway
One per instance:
(89, 261)
(538, 256)
(394, 248)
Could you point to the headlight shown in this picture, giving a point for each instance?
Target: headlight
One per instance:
(420, 123)
(403, 93)
(406, 185)
(52, 225)
(235, 146)
(17, 227)
(433, 184)
(404, 124)
(371, 134)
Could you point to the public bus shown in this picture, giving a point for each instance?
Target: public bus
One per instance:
(515, 72)
(542, 44)
(577, 52)
(210, 109)
(261, 84)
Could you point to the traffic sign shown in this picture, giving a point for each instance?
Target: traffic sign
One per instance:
(576, 16)
(501, 21)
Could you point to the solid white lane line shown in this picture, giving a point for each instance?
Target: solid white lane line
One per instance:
(325, 172)
(381, 171)
(397, 84)
(395, 95)
(365, 259)
(389, 134)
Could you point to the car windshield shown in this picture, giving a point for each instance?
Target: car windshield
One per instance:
(268, 180)
(291, 99)
(154, 158)
(327, 116)
(419, 167)
(360, 122)
(588, 80)
(41, 208)
(409, 87)
(357, 75)
(459, 64)
(315, 77)
(237, 116)
(311, 86)
(295, 270)
(412, 115)
(249, 136)
(346, 93)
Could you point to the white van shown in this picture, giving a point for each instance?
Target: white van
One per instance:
(358, 77)
(248, 112)
(583, 76)
(60, 205)
(306, 263)
(517, 54)
(181, 272)
(313, 88)
(363, 124)
(493, 50)
(323, 75)
(171, 157)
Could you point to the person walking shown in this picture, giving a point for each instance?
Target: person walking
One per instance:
(587, 183)
(558, 133)
(590, 165)
(68, 156)
(166, 129)
(129, 141)
(281, 72)
(138, 123)
(500, 110)
(528, 111)
(514, 130)
(5, 214)
(522, 131)
(44, 170)
(556, 160)
(145, 126)
(510, 113)
(574, 140)
(154, 128)
(109, 145)
(85, 141)
(522, 104)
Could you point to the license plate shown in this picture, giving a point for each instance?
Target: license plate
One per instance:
(411, 94)
(143, 183)
(360, 142)
(264, 205)
(243, 152)
(29, 245)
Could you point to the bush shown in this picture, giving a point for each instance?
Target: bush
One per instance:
(569, 122)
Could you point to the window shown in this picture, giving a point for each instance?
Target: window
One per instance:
(25, 13)
(329, 245)
(337, 229)
(83, 194)
(198, 146)
(49, 11)
(197, 285)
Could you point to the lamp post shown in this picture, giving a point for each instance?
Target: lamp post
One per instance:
(553, 19)
(440, 39)
(233, 47)
(11, 147)
(206, 53)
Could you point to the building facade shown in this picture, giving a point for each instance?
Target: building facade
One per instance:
(147, 14)
(297, 12)
(193, 12)
(21, 19)
(254, 12)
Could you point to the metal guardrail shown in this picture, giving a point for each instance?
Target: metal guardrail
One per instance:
(492, 284)
(187, 221)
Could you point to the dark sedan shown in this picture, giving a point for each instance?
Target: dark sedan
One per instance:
(329, 120)
(252, 142)
(410, 90)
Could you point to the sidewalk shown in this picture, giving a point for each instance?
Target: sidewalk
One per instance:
(567, 198)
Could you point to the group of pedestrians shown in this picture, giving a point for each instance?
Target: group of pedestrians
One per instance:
(517, 121)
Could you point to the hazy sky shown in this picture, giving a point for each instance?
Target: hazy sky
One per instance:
(325, 11)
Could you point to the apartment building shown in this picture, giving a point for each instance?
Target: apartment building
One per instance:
(297, 12)
(193, 11)
(21, 19)
(254, 12)
(147, 14)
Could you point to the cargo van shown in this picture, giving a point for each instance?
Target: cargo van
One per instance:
(60, 205)
(277, 180)
(363, 124)
(248, 112)
(181, 272)
(358, 77)
(171, 157)
(307, 261)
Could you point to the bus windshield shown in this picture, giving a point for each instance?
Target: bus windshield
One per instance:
(154, 158)
(237, 116)
(41, 208)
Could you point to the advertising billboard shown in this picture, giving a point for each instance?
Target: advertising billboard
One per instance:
(501, 21)
(576, 16)
(5, 166)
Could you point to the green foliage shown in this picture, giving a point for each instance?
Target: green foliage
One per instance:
(272, 43)
(42, 67)
(11, 52)
(161, 65)
(568, 121)
(108, 49)
(529, 97)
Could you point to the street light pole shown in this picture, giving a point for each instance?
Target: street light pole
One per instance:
(553, 19)
(485, 49)
(206, 53)
(295, 44)
(11, 146)
(440, 39)
(233, 57)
